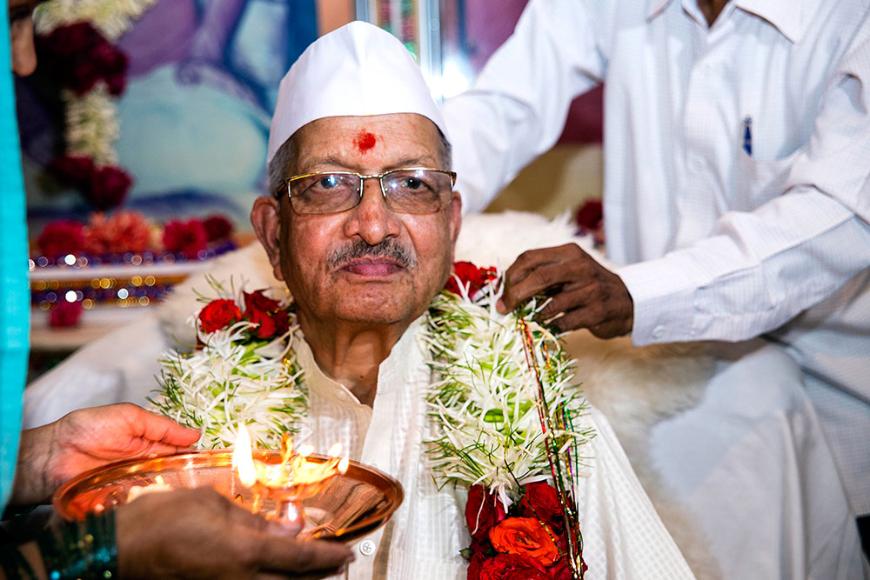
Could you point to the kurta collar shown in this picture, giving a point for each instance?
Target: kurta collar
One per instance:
(318, 381)
(790, 18)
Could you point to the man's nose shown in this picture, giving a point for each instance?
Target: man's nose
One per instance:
(372, 220)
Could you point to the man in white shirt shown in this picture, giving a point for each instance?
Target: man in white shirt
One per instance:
(737, 180)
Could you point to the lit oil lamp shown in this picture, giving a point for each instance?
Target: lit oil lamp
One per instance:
(287, 482)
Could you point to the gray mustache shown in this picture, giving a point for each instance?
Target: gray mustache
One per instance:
(389, 248)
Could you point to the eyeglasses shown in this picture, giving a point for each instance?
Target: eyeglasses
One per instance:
(414, 190)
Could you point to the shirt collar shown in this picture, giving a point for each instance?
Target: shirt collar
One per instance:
(787, 17)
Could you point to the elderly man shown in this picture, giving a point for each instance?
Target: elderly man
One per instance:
(361, 228)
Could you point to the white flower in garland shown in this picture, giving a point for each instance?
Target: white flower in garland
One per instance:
(111, 17)
(486, 425)
(92, 125)
(239, 375)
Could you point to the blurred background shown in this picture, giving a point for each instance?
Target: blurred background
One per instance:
(144, 136)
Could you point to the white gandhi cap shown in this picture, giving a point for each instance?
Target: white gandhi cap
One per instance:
(357, 70)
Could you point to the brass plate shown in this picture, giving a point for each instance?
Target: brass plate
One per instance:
(349, 507)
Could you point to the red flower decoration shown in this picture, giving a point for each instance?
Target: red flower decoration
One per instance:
(185, 237)
(590, 219)
(542, 501)
(61, 237)
(65, 314)
(257, 300)
(512, 567)
(267, 314)
(470, 276)
(219, 314)
(109, 186)
(73, 170)
(218, 228)
(482, 511)
(80, 56)
(525, 537)
(123, 231)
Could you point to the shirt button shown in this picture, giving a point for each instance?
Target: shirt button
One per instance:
(367, 548)
(658, 332)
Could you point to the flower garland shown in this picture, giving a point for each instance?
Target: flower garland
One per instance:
(76, 40)
(245, 371)
(500, 422)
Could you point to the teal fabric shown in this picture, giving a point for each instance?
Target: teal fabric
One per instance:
(14, 289)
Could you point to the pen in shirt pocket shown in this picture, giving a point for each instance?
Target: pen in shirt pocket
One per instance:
(747, 135)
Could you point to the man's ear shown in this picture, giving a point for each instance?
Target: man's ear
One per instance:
(266, 219)
(455, 216)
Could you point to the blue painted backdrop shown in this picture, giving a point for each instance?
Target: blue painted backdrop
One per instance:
(201, 87)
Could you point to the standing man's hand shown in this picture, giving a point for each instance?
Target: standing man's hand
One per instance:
(198, 533)
(584, 293)
(88, 438)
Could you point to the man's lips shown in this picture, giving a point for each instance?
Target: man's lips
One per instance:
(375, 268)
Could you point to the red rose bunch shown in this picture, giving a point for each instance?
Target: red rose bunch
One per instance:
(103, 187)
(123, 231)
(61, 237)
(526, 542)
(470, 277)
(219, 314)
(267, 314)
(217, 228)
(65, 314)
(269, 318)
(80, 57)
(185, 237)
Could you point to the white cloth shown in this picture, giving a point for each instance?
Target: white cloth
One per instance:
(623, 536)
(713, 243)
(356, 70)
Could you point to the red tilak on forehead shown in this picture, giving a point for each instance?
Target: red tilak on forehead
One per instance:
(365, 141)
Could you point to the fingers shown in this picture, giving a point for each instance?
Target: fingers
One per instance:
(282, 553)
(535, 271)
(159, 429)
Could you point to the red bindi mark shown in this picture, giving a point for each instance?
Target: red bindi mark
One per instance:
(365, 141)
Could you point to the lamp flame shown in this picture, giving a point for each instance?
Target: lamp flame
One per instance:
(243, 459)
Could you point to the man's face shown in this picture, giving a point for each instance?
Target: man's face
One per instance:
(367, 264)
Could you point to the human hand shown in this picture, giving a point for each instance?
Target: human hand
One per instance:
(88, 438)
(584, 293)
(198, 533)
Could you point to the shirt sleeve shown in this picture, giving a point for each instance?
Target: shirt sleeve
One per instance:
(759, 269)
(518, 106)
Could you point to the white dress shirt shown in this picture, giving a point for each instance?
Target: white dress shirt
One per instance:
(720, 234)
(623, 536)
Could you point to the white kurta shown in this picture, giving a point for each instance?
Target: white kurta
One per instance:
(719, 235)
(624, 537)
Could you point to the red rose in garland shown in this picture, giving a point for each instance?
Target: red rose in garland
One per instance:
(542, 501)
(108, 188)
(482, 511)
(470, 276)
(73, 170)
(185, 237)
(219, 314)
(512, 567)
(267, 314)
(525, 537)
(61, 237)
(257, 300)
